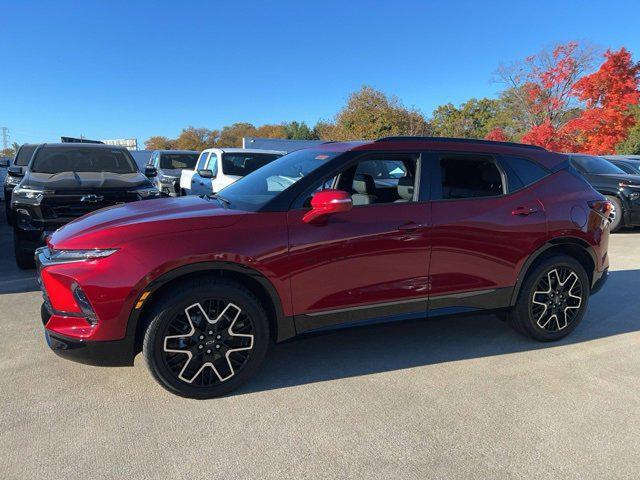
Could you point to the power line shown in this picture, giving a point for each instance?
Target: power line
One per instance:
(5, 138)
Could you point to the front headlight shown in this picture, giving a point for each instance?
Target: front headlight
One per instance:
(69, 256)
(147, 192)
(27, 193)
(168, 180)
(12, 181)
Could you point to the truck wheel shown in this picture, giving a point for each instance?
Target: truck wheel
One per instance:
(206, 338)
(553, 299)
(23, 252)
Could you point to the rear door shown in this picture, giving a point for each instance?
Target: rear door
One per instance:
(486, 222)
(371, 262)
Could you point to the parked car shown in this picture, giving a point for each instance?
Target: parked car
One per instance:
(4, 164)
(620, 188)
(315, 240)
(21, 160)
(628, 163)
(220, 167)
(169, 165)
(65, 181)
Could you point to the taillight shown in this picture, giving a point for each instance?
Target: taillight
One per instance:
(603, 207)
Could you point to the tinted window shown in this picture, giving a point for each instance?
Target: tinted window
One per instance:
(466, 176)
(527, 171)
(381, 181)
(596, 165)
(24, 155)
(78, 159)
(174, 161)
(241, 164)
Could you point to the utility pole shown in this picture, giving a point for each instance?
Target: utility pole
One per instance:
(5, 138)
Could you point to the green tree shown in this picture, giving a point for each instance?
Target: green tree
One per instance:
(473, 119)
(631, 146)
(299, 131)
(371, 114)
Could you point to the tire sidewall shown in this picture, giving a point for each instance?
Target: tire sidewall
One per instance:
(154, 338)
(526, 295)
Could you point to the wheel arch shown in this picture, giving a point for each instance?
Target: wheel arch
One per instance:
(574, 247)
(282, 327)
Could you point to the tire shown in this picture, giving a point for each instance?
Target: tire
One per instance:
(23, 252)
(7, 210)
(532, 318)
(616, 215)
(177, 324)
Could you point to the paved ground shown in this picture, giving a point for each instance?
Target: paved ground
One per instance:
(425, 399)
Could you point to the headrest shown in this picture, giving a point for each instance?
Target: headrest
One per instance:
(405, 188)
(364, 184)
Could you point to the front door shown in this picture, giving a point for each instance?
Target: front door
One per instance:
(201, 185)
(371, 262)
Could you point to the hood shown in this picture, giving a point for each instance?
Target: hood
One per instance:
(84, 180)
(113, 226)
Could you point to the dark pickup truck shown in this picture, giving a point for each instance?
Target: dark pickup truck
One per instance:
(65, 181)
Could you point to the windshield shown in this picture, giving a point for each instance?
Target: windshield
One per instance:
(256, 189)
(241, 163)
(175, 161)
(597, 165)
(78, 159)
(24, 155)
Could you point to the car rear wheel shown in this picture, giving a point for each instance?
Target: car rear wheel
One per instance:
(206, 338)
(616, 213)
(552, 300)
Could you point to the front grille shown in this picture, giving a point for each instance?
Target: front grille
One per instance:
(76, 204)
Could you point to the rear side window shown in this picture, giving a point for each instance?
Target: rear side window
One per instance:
(470, 176)
(527, 171)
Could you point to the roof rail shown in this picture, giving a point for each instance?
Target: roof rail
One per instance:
(458, 140)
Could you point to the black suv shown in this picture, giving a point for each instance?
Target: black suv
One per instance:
(14, 175)
(65, 181)
(620, 188)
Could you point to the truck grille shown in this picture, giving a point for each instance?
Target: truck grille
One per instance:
(76, 204)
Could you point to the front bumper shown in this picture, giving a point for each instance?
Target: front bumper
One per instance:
(113, 353)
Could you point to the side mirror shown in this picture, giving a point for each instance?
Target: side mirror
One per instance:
(4, 162)
(150, 171)
(327, 202)
(15, 171)
(205, 173)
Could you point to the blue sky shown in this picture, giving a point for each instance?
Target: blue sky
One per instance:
(135, 69)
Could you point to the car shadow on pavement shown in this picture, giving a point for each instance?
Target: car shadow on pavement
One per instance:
(394, 346)
(12, 279)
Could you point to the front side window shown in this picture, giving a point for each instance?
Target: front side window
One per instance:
(470, 176)
(202, 160)
(243, 163)
(79, 159)
(213, 164)
(596, 165)
(381, 180)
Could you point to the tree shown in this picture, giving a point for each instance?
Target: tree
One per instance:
(631, 146)
(271, 131)
(370, 114)
(192, 138)
(299, 131)
(473, 119)
(159, 143)
(608, 95)
(497, 135)
(231, 136)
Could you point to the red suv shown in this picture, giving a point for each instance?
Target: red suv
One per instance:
(344, 233)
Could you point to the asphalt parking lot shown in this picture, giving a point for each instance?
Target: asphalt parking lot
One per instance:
(440, 398)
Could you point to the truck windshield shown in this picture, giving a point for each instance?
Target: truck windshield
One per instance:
(24, 155)
(79, 159)
(175, 161)
(259, 187)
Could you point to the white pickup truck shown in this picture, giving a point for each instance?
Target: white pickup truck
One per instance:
(219, 167)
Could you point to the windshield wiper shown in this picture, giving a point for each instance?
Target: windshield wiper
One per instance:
(223, 201)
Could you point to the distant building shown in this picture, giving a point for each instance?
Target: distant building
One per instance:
(280, 144)
(128, 143)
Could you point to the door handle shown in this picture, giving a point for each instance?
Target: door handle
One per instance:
(524, 211)
(410, 227)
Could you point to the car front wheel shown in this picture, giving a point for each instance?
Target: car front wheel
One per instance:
(206, 338)
(553, 299)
